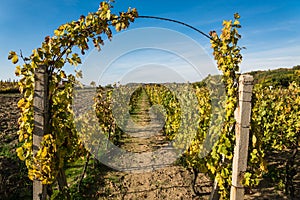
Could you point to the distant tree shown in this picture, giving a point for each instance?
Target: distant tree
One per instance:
(93, 84)
(297, 67)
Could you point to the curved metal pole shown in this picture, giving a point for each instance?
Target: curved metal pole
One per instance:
(178, 22)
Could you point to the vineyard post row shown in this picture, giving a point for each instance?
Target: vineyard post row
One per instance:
(242, 116)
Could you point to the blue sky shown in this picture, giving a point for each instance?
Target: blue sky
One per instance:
(270, 29)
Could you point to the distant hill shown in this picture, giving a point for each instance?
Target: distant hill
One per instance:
(281, 77)
(278, 77)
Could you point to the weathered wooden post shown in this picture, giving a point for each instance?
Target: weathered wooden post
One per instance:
(242, 116)
(41, 107)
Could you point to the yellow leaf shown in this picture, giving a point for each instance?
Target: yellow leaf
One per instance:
(118, 26)
(21, 137)
(236, 16)
(11, 55)
(15, 59)
(20, 153)
(18, 70)
(236, 22)
(263, 166)
(44, 153)
(58, 32)
(31, 175)
(254, 140)
(21, 103)
(44, 182)
(108, 14)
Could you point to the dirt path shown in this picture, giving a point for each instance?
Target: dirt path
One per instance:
(144, 132)
(153, 175)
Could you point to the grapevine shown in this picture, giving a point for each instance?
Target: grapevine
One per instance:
(275, 127)
(61, 143)
(227, 54)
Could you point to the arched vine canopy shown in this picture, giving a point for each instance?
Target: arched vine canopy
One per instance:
(61, 143)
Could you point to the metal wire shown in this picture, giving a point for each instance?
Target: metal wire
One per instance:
(178, 22)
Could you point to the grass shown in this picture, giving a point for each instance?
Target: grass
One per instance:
(6, 151)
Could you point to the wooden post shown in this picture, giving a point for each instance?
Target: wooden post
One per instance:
(240, 157)
(41, 107)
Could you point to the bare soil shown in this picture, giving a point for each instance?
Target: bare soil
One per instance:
(14, 183)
